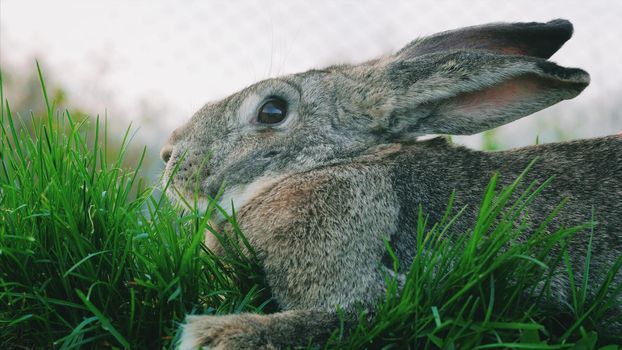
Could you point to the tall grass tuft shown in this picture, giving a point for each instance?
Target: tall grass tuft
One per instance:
(91, 257)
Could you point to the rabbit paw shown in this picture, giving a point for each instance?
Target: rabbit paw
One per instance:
(223, 333)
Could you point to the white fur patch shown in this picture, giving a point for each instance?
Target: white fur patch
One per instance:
(188, 341)
(237, 197)
(427, 137)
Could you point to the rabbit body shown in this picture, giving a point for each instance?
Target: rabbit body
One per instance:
(324, 166)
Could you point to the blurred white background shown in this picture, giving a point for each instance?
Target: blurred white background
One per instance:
(155, 62)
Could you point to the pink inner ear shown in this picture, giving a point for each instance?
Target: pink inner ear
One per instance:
(512, 51)
(497, 97)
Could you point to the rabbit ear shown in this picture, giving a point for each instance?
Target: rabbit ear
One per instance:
(527, 39)
(458, 93)
(496, 95)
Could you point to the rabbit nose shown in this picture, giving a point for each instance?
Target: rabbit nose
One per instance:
(173, 139)
(166, 152)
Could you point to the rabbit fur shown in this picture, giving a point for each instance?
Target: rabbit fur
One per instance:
(317, 193)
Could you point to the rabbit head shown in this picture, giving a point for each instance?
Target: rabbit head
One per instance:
(457, 82)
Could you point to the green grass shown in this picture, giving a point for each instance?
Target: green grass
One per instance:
(90, 257)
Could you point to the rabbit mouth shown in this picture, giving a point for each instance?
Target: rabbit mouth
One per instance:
(193, 201)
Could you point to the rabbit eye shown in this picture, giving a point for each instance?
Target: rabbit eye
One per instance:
(272, 111)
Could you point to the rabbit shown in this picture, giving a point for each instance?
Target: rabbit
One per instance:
(323, 166)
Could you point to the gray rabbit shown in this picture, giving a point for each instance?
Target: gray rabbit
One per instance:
(322, 166)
